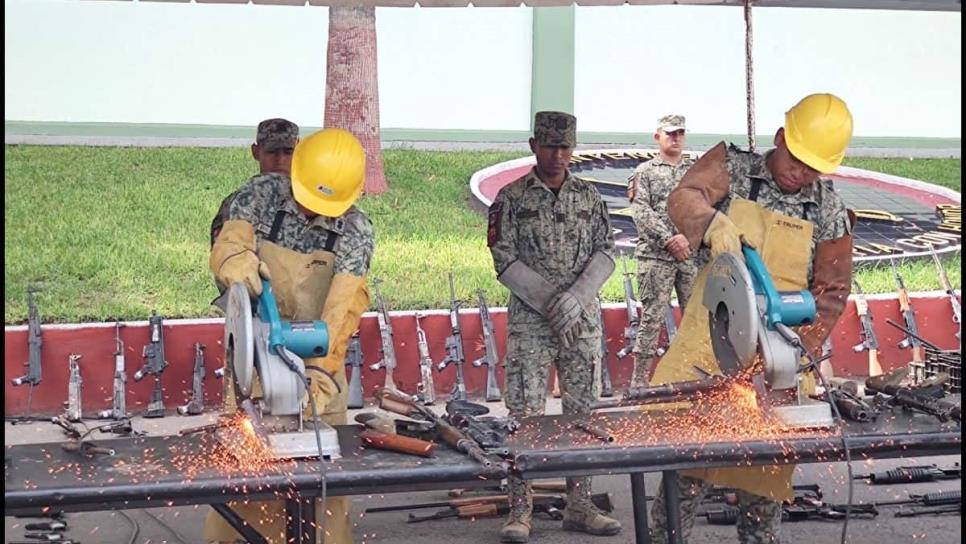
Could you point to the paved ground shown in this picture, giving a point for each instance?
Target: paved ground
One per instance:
(145, 141)
(183, 524)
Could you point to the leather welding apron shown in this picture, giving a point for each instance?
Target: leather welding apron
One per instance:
(784, 244)
(300, 282)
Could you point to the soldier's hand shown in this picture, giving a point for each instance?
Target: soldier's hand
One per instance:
(244, 268)
(679, 247)
(723, 236)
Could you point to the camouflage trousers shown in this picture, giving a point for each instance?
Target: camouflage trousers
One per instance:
(759, 518)
(655, 279)
(530, 353)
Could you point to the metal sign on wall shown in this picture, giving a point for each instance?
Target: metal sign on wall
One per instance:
(897, 217)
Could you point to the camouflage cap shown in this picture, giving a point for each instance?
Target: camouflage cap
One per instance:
(555, 128)
(670, 123)
(274, 134)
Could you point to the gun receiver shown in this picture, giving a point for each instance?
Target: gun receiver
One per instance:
(454, 346)
(196, 404)
(119, 398)
(425, 389)
(606, 387)
(353, 359)
(34, 342)
(490, 357)
(633, 320)
(154, 363)
(918, 365)
(74, 412)
(388, 360)
(869, 341)
(953, 299)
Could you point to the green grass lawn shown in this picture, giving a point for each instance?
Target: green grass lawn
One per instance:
(114, 233)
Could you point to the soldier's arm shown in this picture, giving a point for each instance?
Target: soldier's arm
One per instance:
(832, 272)
(649, 223)
(691, 205)
(500, 233)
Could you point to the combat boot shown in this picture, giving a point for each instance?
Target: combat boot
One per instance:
(583, 516)
(516, 530)
(641, 374)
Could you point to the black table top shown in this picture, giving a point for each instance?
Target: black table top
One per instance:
(173, 470)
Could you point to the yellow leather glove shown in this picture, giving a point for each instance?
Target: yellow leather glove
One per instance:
(722, 236)
(348, 298)
(233, 259)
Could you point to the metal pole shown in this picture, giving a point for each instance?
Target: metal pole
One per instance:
(749, 77)
(642, 533)
(237, 523)
(300, 524)
(672, 506)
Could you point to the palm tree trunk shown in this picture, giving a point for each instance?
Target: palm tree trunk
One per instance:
(352, 86)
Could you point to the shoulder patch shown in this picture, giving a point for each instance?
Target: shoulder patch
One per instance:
(493, 224)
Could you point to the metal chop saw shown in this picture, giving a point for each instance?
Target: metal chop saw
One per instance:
(266, 355)
(751, 321)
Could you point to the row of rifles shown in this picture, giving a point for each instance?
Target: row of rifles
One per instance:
(153, 364)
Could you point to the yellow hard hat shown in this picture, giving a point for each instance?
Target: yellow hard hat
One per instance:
(328, 170)
(818, 130)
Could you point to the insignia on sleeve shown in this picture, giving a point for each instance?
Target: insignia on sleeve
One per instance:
(493, 224)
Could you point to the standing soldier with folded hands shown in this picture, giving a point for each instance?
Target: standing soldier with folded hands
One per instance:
(552, 246)
(303, 233)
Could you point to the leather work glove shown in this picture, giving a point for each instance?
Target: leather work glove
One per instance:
(567, 307)
(233, 258)
(722, 236)
(323, 387)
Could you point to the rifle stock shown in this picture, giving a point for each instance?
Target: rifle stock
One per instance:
(869, 341)
(397, 442)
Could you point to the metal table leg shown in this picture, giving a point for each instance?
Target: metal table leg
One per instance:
(672, 506)
(642, 533)
(237, 523)
(300, 527)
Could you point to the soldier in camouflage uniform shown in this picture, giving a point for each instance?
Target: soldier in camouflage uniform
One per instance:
(552, 246)
(664, 259)
(306, 235)
(778, 203)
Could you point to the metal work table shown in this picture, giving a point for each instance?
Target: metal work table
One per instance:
(150, 471)
(549, 447)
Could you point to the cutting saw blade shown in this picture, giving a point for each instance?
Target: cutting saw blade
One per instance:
(240, 338)
(734, 319)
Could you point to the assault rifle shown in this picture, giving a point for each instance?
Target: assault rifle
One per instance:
(410, 406)
(918, 364)
(953, 299)
(869, 341)
(154, 363)
(670, 327)
(388, 360)
(197, 402)
(912, 399)
(74, 412)
(34, 342)
(633, 320)
(454, 345)
(353, 359)
(490, 357)
(425, 389)
(912, 475)
(119, 398)
(606, 387)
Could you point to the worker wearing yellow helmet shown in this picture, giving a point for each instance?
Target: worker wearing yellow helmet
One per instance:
(778, 203)
(306, 235)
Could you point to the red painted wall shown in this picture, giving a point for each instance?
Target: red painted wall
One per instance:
(95, 343)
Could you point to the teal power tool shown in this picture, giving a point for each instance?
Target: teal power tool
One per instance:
(266, 356)
(749, 318)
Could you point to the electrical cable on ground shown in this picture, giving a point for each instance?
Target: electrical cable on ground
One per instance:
(134, 525)
(167, 527)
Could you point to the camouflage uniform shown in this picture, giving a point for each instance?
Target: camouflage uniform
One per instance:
(265, 198)
(556, 235)
(657, 270)
(759, 520)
